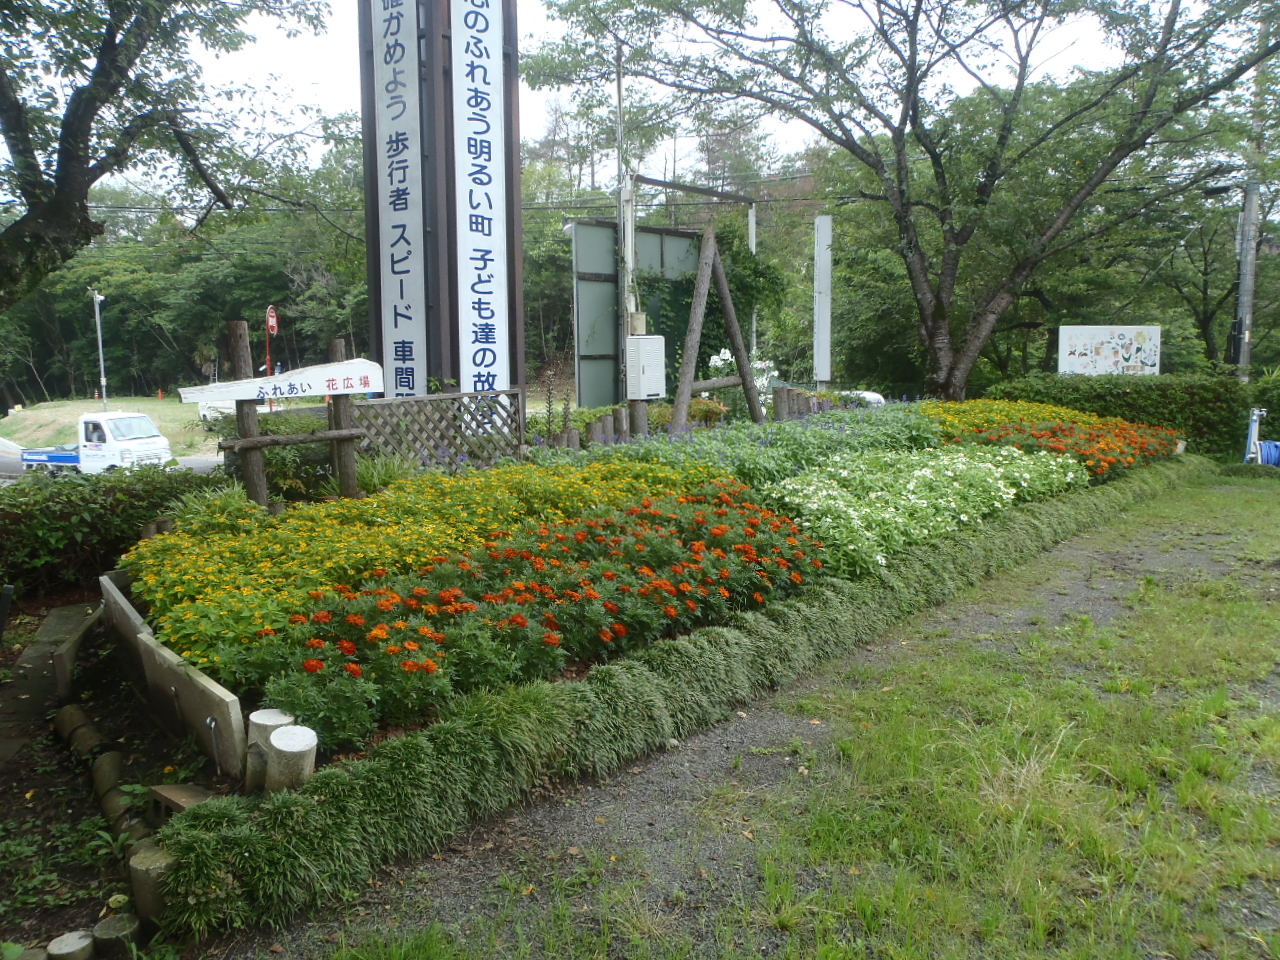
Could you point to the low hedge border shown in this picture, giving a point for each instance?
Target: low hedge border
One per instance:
(248, 860)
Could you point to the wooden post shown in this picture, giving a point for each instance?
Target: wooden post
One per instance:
(252, 463)
(692, 340)
(736, 343)
(622, 425)
(781, 404)
(342, 417)
(639, 418)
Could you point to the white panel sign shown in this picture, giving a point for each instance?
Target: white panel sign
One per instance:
(1098, 350)
(349, 376)
(401, 247)
(480, 195)
(822, 299)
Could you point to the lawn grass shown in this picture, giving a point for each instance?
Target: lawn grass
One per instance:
(1072, 789)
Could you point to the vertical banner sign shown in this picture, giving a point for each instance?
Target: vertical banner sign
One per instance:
(480, 195)
(401, 243)
(822, 299)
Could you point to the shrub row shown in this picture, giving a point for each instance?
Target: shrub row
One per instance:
(69, 528)
(1212, 412)
(760, 453)
(246, 860)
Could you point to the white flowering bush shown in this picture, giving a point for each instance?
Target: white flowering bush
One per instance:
(764, 372)
(867, 506)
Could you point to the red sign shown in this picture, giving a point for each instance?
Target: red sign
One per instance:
(273, 321)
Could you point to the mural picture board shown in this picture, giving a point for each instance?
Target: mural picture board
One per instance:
(1111, 349)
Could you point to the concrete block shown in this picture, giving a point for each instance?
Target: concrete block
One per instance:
(106, 772)
(66, 652)
(76, 945)
(191, 701)
(147, 869)
(86, 741)
(115, 937)
(166, 799)
(69, 719)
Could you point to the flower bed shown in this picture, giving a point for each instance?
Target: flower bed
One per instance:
(760, 453)
(520, 608)
(1106, 446)
(238, 570)
(869, 506)
(239, 861)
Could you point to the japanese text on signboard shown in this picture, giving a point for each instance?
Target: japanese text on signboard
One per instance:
(401, 243)
(480, 197)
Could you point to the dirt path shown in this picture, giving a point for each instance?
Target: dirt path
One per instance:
(660, 819)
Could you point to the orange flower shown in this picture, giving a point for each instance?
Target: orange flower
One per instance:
(758, 597)
(321, 616)
(411, 644)
(394, 649)
(430, 666)
(297, 618)
(313, 665)
(347, 647)
(671, 611)
(410, 666)
(355, 619)
(619, 629)
(316, 643)
(796, 577)
(551, 639)
(354, 669)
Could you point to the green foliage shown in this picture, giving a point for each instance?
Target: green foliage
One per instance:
(1212, 412)
(245, 860)
(294, 472)
(73, 527)
(872, 506)
(31, 858)
(218, 508)
(760, 453)
(373, 473)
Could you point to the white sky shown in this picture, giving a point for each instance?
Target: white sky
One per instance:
(324, 70)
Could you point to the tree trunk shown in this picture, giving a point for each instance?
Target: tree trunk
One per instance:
(40, 241)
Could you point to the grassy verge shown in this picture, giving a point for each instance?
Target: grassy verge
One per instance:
(1072, 789)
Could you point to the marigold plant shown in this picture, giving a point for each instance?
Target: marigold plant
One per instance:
(525, 604)
(1105, 445)
(205, 587)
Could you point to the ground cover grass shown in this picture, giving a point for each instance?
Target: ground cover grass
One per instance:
(1072, 789)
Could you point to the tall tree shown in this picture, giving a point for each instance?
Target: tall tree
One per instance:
(90, 87)
(941, 102)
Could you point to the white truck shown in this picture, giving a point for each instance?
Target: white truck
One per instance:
(106, 441)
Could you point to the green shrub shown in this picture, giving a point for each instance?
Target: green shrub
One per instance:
(294, 472)
(73, 527)
(373, 473)
(761, 453)
(1212, 412)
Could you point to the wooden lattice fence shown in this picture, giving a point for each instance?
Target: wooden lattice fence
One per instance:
(447, 430)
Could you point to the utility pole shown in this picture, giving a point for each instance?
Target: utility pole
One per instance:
(102, 363)
(1249, 216)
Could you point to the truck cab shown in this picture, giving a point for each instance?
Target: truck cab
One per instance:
(105, 441)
